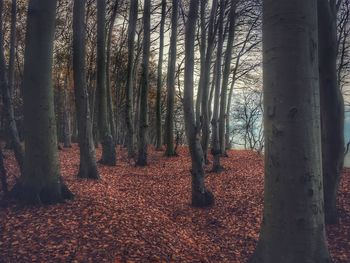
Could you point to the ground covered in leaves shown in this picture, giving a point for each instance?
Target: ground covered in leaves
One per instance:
(138, 214)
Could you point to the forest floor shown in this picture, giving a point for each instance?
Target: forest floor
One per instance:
(138, 214)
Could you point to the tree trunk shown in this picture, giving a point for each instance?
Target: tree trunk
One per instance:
(87, 167)
(108, 147)
(41, 181)
(332, 108)
(160, 80)
(293, 228)
(8, 105)
(201, 197)
(226, 73)
(3, 176)
(67, 131)
(215, 144)
(143, 128)
(133, 10)
(206, 82)
(169, 123)
(111, 115)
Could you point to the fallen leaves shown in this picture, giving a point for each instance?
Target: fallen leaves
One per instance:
(142, 214)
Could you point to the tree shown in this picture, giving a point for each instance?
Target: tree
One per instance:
(332, 107)
(87, 167)
(225, 77)
(129, 81)
(215, 144)
(169, 121)
(7, 98)
(206, 81)
(108, 147)
(201, 197)
(160, 79)
(293, 228)
(41, 181)
(143, 124)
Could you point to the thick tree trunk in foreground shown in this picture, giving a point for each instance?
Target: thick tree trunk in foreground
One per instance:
(41, 181)
(293, 229)
(226, 73)
(11, 75)
(332, 108)
(108, 147)
(143, 124)
(87, 166)
(160, 80)
(133, 9)
(215, 144)
(201, 197)
(206, 82)
(3, 175)
(8, 105)
(169, 122)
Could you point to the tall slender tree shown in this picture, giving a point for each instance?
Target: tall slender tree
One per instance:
(169, 121)
(87, 166)
(201, 197)
(293, 228)
(225, 77)
(206, 80)
(133, 10)
(108, 147)
(332, 107)
(143, 125)
(160, 79)
(41, 181)
(215, 144)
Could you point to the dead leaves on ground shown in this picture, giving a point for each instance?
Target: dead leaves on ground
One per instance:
(138, 214)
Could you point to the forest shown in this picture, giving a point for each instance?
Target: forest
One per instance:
(175, 131)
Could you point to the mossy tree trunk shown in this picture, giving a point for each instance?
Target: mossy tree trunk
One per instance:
(201, 197)
(41, 181)
(87, 166)
(108, 147)
(169, 121)
(293, 228)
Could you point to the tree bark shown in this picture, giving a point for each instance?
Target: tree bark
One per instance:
(206, 82)
(108, 147)
(41, 181)
(201, 197)
(67, 131)
(87, 166)
(226, 73)
(143, 124)
(111, 115)
(332, 108)
(169, 123)
(293, 228)
(129, 81)
(215, 144)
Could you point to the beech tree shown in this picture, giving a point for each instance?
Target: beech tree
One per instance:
(87, 166)
(201, 197)
(332, 106)
(169, 121)
(293, 228)
(41, 181)
(133, 9)
(108, 147)
(143, 124)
